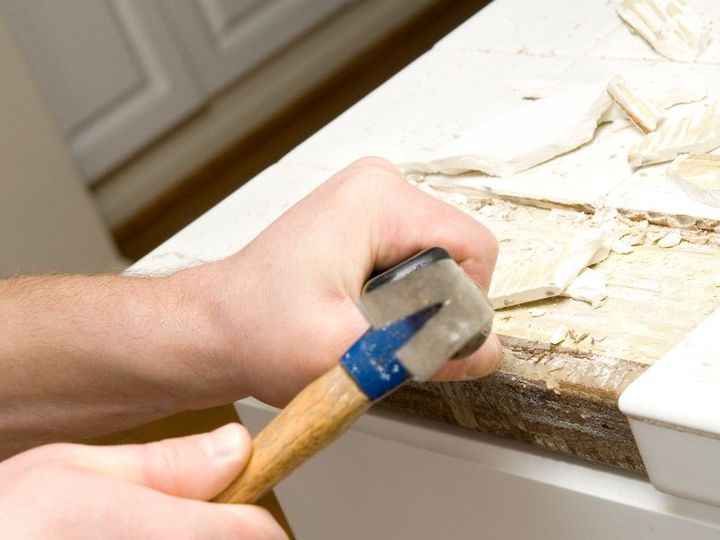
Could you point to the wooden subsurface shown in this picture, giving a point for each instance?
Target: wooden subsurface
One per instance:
(319, 414)
(564, 397)
(189, 423)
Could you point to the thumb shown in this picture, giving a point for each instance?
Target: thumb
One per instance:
(196, 467)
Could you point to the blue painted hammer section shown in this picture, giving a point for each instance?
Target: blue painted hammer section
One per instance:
(371, 360)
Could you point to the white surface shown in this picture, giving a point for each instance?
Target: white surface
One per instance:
(236, 220)
(682, 388)
(394, 476)
(580, 28)
(525, 136)
(680, 462)
(111, 73)
(674, 408)
(225, 39)
(442, 94)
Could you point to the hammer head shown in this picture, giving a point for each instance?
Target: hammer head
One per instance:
(431, 278)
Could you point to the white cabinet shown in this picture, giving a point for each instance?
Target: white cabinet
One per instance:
(227, 38)
(119, 73)
(109, 70)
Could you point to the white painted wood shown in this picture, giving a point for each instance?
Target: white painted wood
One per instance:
(225, 39)
(393, 476)
(48, 222)
(110, 71)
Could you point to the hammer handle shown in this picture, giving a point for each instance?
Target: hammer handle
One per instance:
(318, 415)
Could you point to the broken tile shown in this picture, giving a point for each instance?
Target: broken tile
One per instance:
(642, 111)
(698, 133)
(523, 137)
(544, 269)
(620, 247)
(672, 27)
(636, 238)
(698, 176)
(590, 286)
(559, 335)
(654, 236)
(671, 239)
(686, 91)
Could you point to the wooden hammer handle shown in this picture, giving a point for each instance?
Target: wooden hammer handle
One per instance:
(318, 415)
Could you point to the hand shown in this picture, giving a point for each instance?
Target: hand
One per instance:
(286, 303)
(149, 491)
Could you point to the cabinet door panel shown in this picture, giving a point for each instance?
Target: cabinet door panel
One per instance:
(227, 38)
(109, 70)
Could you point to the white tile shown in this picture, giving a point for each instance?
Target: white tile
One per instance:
(234, 222)
(673, 407)
(547, 27)
(681, 388)
(585, 175)
(580, 28)
(649, 189)
(622, 43)
(424, 106)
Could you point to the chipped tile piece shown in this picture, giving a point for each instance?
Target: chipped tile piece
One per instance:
(685, 91)
(559, 335)
(672, 27)
(671, 239)
(696, 133)
(590, 286)
(654, 236)
(643, 112)
(537, 267)
(635, 238)
(620, 247)
(537, 312)
(699, 176)
(523, 137)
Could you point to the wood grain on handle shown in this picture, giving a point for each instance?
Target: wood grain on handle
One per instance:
(319, 414)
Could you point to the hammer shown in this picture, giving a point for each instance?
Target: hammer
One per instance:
(422, 312)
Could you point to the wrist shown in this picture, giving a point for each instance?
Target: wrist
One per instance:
(204, 336)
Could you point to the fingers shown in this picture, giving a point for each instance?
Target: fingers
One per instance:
(224, 521)
(482, 362)
(406, 221)
(197, 467)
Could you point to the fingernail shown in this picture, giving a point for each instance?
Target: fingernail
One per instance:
(224, 442)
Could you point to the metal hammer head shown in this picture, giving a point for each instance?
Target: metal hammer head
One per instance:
(460, 326)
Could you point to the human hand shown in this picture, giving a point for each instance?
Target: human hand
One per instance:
(287, 301)
(148, 491)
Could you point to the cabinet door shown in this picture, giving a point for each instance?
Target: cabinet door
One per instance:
(227, 38)
(110, 71)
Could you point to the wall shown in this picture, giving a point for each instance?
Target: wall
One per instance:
(47, 220)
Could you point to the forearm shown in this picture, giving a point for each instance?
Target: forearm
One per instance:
(84, 355)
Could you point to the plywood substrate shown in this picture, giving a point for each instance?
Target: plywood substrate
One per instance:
(564, 397)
